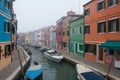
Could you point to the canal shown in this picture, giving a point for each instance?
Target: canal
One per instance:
(52, 70)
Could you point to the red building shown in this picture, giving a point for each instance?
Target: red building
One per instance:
(59, 33)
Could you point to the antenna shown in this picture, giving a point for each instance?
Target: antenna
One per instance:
(79, 6)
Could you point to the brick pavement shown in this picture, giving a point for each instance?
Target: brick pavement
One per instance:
(7, 71)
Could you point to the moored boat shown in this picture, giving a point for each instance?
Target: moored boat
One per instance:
(34, 71)
(85, 73)
(53, 55)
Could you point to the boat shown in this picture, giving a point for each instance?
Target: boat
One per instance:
(85, 73)
(43, 49)
(34, 71)
(53, 55)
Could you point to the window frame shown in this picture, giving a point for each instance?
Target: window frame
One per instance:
(113, 4)
(99, 27)
(87, 12)
(80, 30)
(110, 28)
(88, 32)
(79, 47)
(6, 26)
(103, 5)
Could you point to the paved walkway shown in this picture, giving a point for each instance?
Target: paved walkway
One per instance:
(9, 72)
(99, 67)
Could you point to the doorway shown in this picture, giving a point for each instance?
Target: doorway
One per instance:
(101, 55)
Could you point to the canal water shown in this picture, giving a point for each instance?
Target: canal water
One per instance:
(52, 70)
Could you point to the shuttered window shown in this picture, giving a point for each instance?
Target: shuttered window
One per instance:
(101, 27)
(90, 48)
(6, 26)
(101, 5)
(112, 2)
(113, 25)
(87, 29)
(87, 12)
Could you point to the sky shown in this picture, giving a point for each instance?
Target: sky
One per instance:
(35, 14)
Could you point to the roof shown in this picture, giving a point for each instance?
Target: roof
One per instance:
(88, 3)
(77, 19)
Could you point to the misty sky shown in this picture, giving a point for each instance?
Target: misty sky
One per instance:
(34, 14)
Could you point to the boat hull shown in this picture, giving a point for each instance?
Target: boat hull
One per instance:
(34, 71)
(85, 73)
(52, 58)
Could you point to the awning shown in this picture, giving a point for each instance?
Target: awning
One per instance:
(115, 45)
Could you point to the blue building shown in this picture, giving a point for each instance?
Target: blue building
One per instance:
(6, 31)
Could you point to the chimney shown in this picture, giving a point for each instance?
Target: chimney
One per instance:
(70, 13)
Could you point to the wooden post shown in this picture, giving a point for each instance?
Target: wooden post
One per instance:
(110, 66)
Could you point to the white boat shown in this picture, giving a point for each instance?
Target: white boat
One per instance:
(34, 71)
(85, 73)
(53, 55)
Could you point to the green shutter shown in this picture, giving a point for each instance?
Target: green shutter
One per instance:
(8, 27)
(4, 26)
(98, 7)
(117, 1)
(117, 24)
(98, 27)
(84, 30)
(108, 3)
(94, 49)
(89, 29)
(109, 28)
(89, 11)
(104, 4)
(104, 26)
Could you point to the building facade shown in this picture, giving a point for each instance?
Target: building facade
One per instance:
(102, 24)
(6, 32)
(70, 17)
(77, 36)
(59, 33)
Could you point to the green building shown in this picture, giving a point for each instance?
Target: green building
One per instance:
(77, 36)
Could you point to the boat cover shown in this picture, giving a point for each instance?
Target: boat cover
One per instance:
(92, 76)
(34, 71)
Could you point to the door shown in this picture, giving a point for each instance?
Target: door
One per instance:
(101, 54)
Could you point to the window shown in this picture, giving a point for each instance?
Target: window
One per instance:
(101, 5)
(79, 30)
(67, 33)
(87, 12)
(72, 31)
(64, 44)
(7, 27)
(101, 27)
(8, 4)
(80, 47)
(112, 2)
(113, 25)
(87, 29)
(90, 48)
(7, 50)
(63, 33)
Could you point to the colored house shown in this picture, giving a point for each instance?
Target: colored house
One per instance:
(59, 33)
(6, 32)
(77, 36)
(70, 16)
(102, 25)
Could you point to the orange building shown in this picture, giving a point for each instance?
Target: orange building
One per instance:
(70, 17)
(102, 24)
